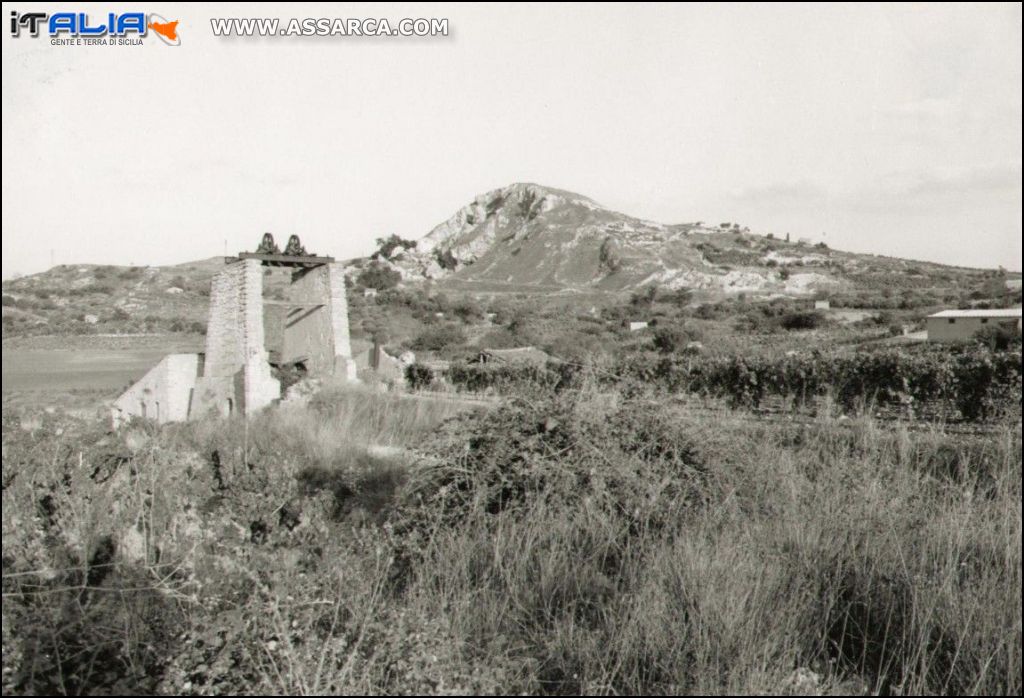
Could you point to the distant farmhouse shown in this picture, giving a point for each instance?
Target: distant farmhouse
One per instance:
(956, 325)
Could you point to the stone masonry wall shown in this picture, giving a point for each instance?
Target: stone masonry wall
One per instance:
(163, 394)
(307, 324)
(237, 375)
(344, 365)
(316, 329)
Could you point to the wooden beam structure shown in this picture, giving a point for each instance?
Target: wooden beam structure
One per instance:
(282, 260)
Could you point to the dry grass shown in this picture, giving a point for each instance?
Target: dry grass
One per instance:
(589, 544)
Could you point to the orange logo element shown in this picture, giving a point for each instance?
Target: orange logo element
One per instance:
(168, 30)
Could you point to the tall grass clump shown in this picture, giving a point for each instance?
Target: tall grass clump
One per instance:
(584, 541)
(640, 550)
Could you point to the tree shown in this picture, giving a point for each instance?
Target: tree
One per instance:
(385, 246)
(379, 276)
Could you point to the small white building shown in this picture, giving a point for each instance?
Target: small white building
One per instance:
(822, 305)
(957, 325)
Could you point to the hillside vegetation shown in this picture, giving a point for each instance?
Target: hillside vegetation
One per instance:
(523, 240)
(584, 541)
(685, 478)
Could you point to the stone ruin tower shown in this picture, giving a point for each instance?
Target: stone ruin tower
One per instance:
(236, 372)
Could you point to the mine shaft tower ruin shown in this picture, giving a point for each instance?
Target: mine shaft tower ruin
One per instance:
(235, 374)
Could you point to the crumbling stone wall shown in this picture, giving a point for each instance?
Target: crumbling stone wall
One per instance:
(236, 374)
(308, 335)
(316, 328)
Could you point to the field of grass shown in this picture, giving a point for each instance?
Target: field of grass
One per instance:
(584, 541)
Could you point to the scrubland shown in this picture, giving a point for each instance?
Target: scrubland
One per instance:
(588, 540)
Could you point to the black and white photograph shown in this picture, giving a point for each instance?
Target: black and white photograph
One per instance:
(511, 348)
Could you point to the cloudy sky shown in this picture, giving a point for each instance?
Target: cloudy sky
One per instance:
(894, 130)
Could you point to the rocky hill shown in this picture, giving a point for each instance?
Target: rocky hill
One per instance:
(91, 299)
(527, 236)
(521, 238)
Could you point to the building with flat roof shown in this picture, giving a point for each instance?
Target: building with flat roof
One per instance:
(958, 325)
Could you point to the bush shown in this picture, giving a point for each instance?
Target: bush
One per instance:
(801, 321)
(101, 289)
(503, 471)
(419, 376)
(999, 337)
(379, 276)
(385, 246)
(673, 337)
(467, 310)
(132, 273)
(707, 311)
(439, 338)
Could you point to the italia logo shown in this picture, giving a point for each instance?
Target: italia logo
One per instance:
(126, 27)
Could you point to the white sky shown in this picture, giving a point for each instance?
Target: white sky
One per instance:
(894, 130)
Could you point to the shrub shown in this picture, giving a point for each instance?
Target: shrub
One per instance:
(467, 310)
(101, 289)
(439, 337)
(707, 311)
(999, 337)
(419, 376)
(503, 469)
(645, 297)
(801, 321)
(673, 337)
(385, 246)
(132, 273)
(379, 276)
